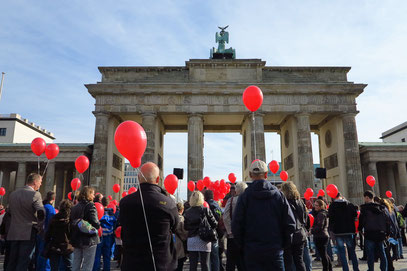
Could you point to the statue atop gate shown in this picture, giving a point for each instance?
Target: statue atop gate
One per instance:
(221, 53)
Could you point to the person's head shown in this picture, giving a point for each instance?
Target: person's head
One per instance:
(105, 201)
(196, 199)
(98, 198)
(149, 173)
(388, 204)
(87, 194)
(258, 170)
(65, 208)
(290, 190)
(240, 188)
(180, 207)
(319, 205)
(368, 196)
(50, 197)
(338, 196)
(34, 180)
(208, 194)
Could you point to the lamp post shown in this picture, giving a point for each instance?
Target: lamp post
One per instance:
(1, 85)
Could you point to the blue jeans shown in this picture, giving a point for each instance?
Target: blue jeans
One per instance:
(59, 262)
(400, 247)
(307, 257)
(215, 256)
(371, 248)
(21, 253)
(42, 263)
(260, 261)
(341, 240)
(104, 248)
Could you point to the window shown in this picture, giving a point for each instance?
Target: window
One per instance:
(3, 131)
(402, 140)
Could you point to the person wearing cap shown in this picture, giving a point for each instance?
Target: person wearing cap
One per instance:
(263, 222)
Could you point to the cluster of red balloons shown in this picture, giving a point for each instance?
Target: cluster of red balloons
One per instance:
(308, 193)
(38, 146)
(131, 141)
(370, 180)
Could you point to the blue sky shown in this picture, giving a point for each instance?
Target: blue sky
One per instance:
(50, 49)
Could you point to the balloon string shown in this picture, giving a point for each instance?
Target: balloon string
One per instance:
(254, 136)
(45, 170)
(38, 164)
(145, 219)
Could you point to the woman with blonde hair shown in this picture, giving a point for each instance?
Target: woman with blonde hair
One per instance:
(84, 243)
(198, 248)
(295, 251)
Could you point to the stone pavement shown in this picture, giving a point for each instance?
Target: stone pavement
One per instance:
(400, 265)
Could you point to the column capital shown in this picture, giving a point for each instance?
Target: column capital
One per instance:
(348, 115)
(195, 115)
(149, 114)
(101, 113)
(302, 114)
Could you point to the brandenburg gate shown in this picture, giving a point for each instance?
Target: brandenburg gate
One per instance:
(205, 95)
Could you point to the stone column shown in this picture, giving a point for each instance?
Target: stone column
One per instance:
(257, 134)
(391, 183)
(195, 147)
(305, 161)
(6, 184)
(401, 166)
(149, 124)
(352, 159)
(50, 177)
(372, 170)
(21, 174)
(99, 157)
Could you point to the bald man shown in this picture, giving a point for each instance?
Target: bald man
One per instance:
(162, 219)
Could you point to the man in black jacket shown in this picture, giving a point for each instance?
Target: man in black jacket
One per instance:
(342, 215)
(162, 219)
(375, 223)
(262, 222)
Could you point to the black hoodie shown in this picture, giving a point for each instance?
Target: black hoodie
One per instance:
(374, 220)
(342, 215)
(262, 218)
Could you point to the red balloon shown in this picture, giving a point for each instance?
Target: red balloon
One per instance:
(100, 231)
(357, 222)
(118, 232)
(100, 210)
(200, 185)
(311, 220)
(310, 192)
(389, 194)
(274, 166)
(82, 163)
(70, 195)
(2, 191)
(284, 175)
(207, 181)
(131, 141)
(252, 98)
(109, 197)
(222, 183)
(232, 177)
(75, 184)
(171, 183)
(370, 180)
(332, 190)
(124, 194)
(191, 186)
(321, 193)
(116, 188)
(205, 204)
(51, 151)
(307, 196)
(132, 190)
(56, 211)
(115, 202)
(111, 205)
(38, 146)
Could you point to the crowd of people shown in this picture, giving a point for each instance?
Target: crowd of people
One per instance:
(256, 227)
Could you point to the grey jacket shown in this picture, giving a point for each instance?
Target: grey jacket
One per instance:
(228, 215)
(26, 212)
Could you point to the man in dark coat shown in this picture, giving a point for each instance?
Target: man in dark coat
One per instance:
(162, 219)
(262, 222)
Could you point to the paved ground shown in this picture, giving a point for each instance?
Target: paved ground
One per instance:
(400, 265)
